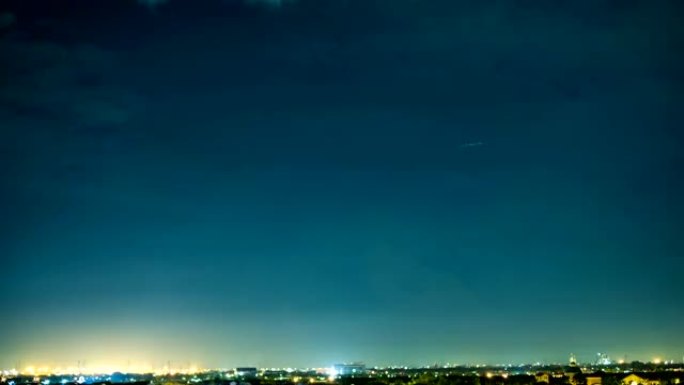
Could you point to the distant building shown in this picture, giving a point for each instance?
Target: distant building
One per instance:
(603, 359)
(594, 379)
(118, 377)
(542, 377)
(572, 370)
(350, 369)
(246, 372)
(641, 379)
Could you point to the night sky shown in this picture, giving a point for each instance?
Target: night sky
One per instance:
(301, 183)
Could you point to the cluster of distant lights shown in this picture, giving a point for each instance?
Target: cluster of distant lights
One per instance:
(108, 370)
(97, 370)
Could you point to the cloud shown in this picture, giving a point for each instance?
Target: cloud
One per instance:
(7, 20)
(47, 80)
(151, 3)
(270, 3)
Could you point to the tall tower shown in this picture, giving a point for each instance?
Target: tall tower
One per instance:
(573, 360)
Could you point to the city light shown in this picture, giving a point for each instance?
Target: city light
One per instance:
(43, 375)
(332, 373)
(347, 192)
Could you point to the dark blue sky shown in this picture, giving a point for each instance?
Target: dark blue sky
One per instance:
(238, 183)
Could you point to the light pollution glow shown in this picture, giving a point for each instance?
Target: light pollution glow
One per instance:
(102, 368)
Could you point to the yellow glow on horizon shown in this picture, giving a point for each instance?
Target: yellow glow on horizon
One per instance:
(103, 368)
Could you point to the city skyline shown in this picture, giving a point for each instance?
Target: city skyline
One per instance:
(192, 368)
(162, 366)
(307, 182)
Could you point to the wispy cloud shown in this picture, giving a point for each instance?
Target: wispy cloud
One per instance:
(271, 3)
(7, 19)
(151, 3)
(62, 82)
(471, 144)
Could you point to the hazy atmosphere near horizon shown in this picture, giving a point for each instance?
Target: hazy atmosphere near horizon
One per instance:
(307, 182)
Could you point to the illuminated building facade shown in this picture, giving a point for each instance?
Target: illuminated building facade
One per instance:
(350, 369)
